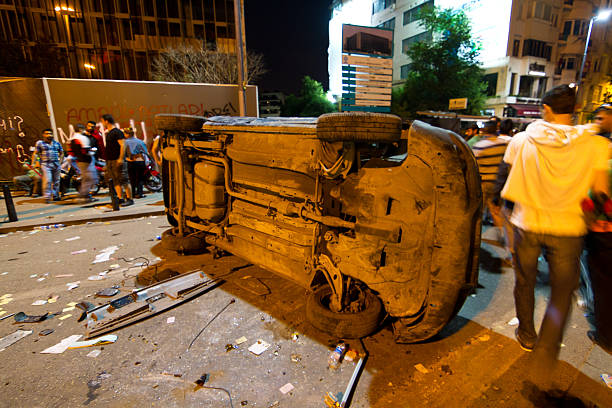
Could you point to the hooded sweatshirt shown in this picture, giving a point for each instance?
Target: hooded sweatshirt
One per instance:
(553, 169)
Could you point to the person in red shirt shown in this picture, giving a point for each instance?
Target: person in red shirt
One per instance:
(92, 131)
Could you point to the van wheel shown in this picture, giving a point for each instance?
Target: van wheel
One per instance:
(343, 325)
(189, 244)
(179, 123)
(359, 126)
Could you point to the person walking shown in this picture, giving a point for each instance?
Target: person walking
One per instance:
(136, 156)
(599, 250)
(50, 152)
(115, 163)
(97, 141)
(80, 146)
(553, 165)
(489, 152)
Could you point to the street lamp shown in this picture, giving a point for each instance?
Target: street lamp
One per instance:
(601, 16)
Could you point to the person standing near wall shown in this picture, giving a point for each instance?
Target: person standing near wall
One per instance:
(115, 163)
(135, 155)
(51, 153)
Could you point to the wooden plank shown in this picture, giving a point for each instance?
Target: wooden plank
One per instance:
(367, 61)
(359, 82)
(368, 96)
(379, 109)
(361, 89)
(369, 77)
(367, 70)
(372, 103)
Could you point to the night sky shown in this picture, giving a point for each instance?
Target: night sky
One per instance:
(293, 36)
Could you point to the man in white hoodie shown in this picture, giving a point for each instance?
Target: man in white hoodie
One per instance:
(553, 167)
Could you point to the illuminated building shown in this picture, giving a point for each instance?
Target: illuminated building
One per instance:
(114, 39)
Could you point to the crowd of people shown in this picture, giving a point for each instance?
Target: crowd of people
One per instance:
(547, 188)
(119, 152)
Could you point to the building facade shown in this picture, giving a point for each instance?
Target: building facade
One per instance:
(528, 46)
(114, 39)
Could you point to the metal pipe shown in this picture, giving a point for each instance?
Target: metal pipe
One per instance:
(240, 55)
(586, 49)
(180, 189)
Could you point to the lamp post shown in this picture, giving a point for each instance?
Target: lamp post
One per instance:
(601, 16)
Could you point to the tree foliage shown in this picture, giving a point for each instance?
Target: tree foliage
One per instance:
(190, 63)
(311, 101)
(443, 69)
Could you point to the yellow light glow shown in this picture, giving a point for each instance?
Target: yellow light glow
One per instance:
(58, 8)
(89, 66)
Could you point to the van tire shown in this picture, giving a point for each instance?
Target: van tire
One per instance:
(343, 325)
(190, 244)
(359, 127)
(179, 123)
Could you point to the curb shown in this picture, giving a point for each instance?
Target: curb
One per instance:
(118, 217)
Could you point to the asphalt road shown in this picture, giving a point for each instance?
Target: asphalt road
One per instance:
(474, 362)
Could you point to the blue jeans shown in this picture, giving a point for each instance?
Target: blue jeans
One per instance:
(89, 177)
(563, 257)
(51, 179)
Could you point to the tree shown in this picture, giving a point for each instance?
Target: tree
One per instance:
(190, 63)
(311, 101)
(443, 69)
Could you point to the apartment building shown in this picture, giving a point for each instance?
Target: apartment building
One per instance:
(114, 39)
(528, 46)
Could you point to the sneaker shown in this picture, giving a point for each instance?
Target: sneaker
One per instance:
(121, 201)
(525, 345)
(128, 202)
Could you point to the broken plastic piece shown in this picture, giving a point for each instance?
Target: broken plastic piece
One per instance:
(513, 322)
(259, 347)
(62, 346)
(421, 368)
(39, 302)
(170, 320)
(46, 332)
(64, 317)
(80, 251)
(24, 318)
(100, 341)
(241, 340)
(229, 347)
(203, 379)
(286, 388)
(13, 338)
(73, 238)
(94, 353)
(73, 285)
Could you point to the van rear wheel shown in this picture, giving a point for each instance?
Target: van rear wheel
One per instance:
(344, 325)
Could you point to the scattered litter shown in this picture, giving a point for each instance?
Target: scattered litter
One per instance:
(67, 309)
(232, 300)
(65, 316)
(607, 379)
(39, 302)
(335, 356)
(71, 304)
(296, 358)
(229, 347)
(56, 242)
(24, 318)
(158, 238)
(80, 251)
(2, 312)
(107, 292)
(513, 322)
(34, 232)
(73, 238)
(13, 338)
(100, 341)
(177, 375)
(40, 279)
(73, 285)
(96, 277)
(105, 254)
(46, 332)
(66, 275)
(421, 368)
(34, 275)
(170, 320)
(484, 337)
(295, 336)
(4, 273)
(350, 355)
(62, 346)
(53, 298)
(286, 388)
(202, 380)
(7, 316)
(259, 347)
(241, 340)
(114, 266)
(6, 296)
(562, 344)
(94, 353)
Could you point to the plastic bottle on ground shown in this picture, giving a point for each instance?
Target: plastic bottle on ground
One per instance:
(336, 355)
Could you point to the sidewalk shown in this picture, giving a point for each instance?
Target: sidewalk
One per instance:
(34, 212)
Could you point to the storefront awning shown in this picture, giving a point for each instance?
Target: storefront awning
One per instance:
(525, 110)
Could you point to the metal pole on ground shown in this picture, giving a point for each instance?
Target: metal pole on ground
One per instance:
(10, 206)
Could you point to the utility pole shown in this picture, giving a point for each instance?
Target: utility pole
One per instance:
(240, 54)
